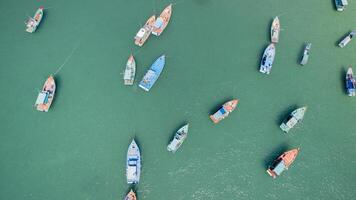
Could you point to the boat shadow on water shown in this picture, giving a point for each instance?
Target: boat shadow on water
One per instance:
(284, 114)
(272, 156)
(300, 55)
(343, 72)
(58, 81)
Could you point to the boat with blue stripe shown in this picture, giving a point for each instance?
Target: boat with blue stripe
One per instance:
(350, 83)
(153, 73)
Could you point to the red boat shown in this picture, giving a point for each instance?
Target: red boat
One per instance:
(224, 111)
(282, 162)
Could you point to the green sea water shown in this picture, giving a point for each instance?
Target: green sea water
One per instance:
(213, 48)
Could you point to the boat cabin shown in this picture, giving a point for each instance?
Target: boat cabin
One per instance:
(341, 4)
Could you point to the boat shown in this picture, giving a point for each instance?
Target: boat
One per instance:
(350, 83)
(267, 59)
(305, 56)
(130, 71)
(144, 32)
(32, 23)
(152, 74)
(275, 29)
(130, 196)
(162, 21)
(46, 95)
(295, 117)
(347, 39)
(224, 111)
(178, 139)
(341, 4)
(133, 164)
(282, 162)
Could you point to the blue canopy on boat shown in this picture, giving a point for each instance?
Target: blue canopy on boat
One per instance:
(279, 168)
(222, 110)
(158, 23)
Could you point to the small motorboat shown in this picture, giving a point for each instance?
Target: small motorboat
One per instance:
(295, 117)
(130, 71)
(341, 4)
(143, 34)
(224, 111)
(133, 164)
(32, 23)
(46, 95)
(267, 59)
(305, 56)
(282, 163)
(350, 83)
(162, 21)
(130, 196)
(153, 73)
(347, 39)
(275, 29)
(178, 139)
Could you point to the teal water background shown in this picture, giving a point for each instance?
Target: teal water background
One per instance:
(213, 48)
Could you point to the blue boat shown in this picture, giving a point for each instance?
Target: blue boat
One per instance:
(350, 83)
(152, 74)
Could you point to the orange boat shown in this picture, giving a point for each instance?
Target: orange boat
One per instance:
(224, 111)
(45, 97)
(162, 21)
(130, 196)
(143, 34)
(282, 162)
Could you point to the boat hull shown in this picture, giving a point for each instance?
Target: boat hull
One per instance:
(224, 111)
(305, 56)
(144, 33)
(350, 83)
(133, 164)
(34, 22)
(162, 21)
(152, 74)
(282, 163)
(130, 196)
(178, 139)
(275, 30)
(347, 39)
(46, 96)
(295, 117)
(130, 71)
(268, 59)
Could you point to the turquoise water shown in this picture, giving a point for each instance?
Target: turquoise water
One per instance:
(213, 49)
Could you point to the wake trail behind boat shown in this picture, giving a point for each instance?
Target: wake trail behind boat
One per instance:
(67, 59)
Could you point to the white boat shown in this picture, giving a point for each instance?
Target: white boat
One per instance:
(46, 96)
(32, 23)
(133, 164)
(144, 32)
(275, 29)
(350, 83)
(341, 4)
(267, 59)
(130, 71)
(305, 56)
(295, 117)
(347, 39)
(178, 139)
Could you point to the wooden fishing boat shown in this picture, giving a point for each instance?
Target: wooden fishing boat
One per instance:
(295, 117)
(162, 21)
(305, 56)
(133, 164)
(130, 71)
(143, 34)
(267, 59)
(347, 39)
(178, 139)
(275, 29)
(282, 163)
(350, 83)
(46, 96)
(224, 111)
(130, 196)
(153, 73)
(32, 23)
(341, 4)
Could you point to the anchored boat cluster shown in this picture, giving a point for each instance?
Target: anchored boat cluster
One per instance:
(156, 27)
